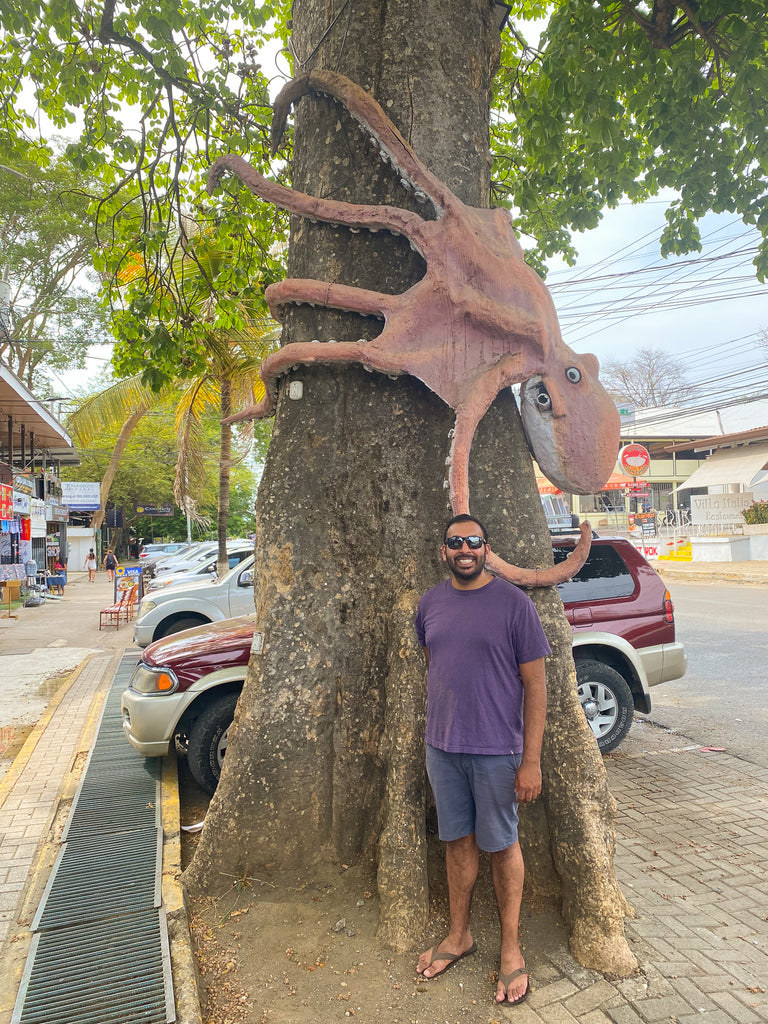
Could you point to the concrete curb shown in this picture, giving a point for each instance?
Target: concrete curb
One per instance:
(14, 953)
(693, 575)
(186, 990)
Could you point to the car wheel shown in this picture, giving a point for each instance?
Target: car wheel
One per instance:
(207, 742)
(189, 622)
(606, 701)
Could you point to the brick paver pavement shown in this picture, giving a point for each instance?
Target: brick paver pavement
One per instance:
(692, 856)
(31, 790)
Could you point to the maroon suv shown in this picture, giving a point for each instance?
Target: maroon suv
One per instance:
(186, 686)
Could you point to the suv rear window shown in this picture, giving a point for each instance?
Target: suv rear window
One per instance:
(603, 575)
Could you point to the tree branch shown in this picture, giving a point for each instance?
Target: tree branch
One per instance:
(107, 35)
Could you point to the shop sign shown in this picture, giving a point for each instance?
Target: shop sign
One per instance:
(21, 503)
(154, 510)
(719, 509)
(37, 512)
(23, 484)
(55, 513)
(79, 496)
(635, 459)
(6, 501)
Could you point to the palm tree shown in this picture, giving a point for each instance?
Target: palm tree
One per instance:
(229, 380)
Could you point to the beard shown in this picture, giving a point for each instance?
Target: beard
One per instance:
(466, 573)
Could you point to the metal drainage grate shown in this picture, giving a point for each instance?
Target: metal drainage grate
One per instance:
(96, 879)
(115, 972)
(100, 955)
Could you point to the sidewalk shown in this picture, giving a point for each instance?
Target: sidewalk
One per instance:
(713, 572)
(692, 857)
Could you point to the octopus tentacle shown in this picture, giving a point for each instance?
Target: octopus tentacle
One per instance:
(373, 218)
(297, 352)
(332, 296)
(367, 112)
(550, 576)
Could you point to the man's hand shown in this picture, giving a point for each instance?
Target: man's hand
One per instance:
(528, 781)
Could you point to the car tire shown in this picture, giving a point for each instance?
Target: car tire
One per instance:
(606, 701)
(188, 622)
(207, 742)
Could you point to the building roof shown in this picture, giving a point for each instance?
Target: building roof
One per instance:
(704, 444)
(17, 401)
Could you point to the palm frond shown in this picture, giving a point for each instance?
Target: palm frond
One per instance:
(109, 409)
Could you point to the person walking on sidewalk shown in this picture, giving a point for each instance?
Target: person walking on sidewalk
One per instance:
(486, 705)
(110, 563)
(91, 565)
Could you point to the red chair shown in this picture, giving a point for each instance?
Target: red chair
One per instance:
(114, 613)
(129, 606)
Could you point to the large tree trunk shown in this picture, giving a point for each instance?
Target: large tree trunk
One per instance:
(325, 759)
(225, 474)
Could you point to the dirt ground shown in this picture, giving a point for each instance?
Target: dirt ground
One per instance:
(306, 950)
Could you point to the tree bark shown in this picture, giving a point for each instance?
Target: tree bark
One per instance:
(325, 758)
(114, 464)
(225, 473)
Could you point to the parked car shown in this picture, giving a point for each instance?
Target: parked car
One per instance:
(172, 609)
(155, 550)
(205, 568)
(185, 687)
(168, 562)
(190, 559)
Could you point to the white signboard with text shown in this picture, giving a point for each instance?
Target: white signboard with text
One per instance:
(81, 496)
(719, 509)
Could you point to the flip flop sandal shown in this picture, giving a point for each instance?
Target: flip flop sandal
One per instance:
(454, 959)
(506, 980)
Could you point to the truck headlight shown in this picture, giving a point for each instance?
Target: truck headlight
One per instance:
(145, 607)
(153, 680)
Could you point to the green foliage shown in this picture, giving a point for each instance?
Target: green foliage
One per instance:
(148, 468)
(756, 513)
(152, 93)
(613, 102)
(51, 316)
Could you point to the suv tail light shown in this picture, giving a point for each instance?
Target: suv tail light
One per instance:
(669, 608)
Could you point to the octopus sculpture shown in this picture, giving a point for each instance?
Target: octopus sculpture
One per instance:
(479, 320)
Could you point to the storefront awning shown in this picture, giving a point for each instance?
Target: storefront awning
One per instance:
(18, 402)
(729, 466)
(616, 482)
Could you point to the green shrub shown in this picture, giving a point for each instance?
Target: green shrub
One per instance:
(757, 513)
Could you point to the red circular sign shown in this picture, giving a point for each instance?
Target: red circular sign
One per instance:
(634, 459)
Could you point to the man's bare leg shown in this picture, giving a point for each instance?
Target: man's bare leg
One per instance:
(508, 873)
(462, 859)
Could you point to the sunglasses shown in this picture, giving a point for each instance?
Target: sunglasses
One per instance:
(473, 543)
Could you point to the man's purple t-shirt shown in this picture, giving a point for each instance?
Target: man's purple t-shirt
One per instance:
(476, 640)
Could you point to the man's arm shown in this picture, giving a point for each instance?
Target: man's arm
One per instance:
(426, 656)
(528, 781)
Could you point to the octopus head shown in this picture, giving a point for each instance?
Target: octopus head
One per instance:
(571, 424)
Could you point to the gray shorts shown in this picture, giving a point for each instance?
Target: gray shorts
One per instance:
(475, 793)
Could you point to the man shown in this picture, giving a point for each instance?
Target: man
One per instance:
(486, 704)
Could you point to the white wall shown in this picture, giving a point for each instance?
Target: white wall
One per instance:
(79, 539)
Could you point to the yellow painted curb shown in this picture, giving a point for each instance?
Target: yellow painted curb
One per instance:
(186, 992)
(21, 760)
(13, 954)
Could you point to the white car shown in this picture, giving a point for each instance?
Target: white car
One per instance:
(172, 609)
(205, 568)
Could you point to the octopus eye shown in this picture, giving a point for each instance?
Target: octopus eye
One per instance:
(573, 374)
(542, 399)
